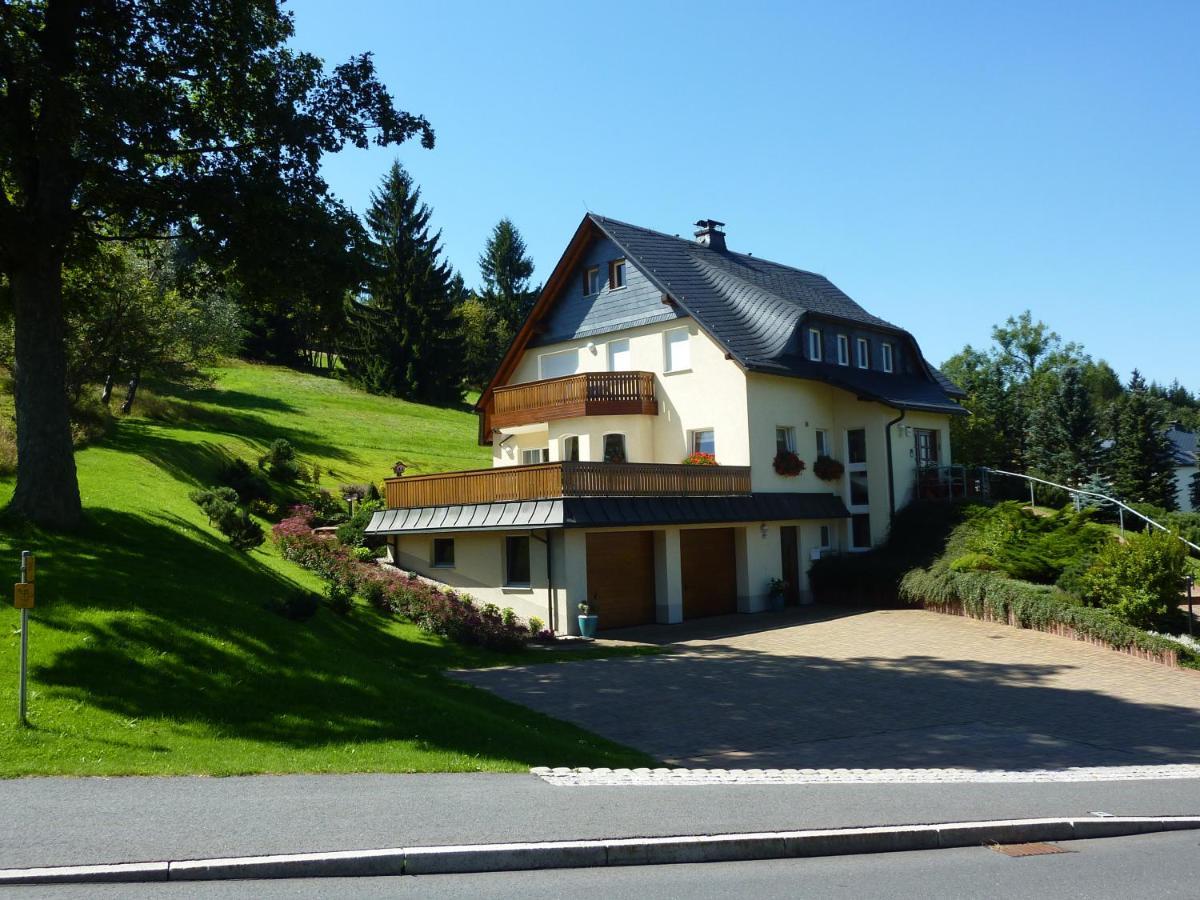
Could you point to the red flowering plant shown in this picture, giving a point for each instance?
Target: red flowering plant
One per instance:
(788, 464)
(700, 459)
(828, 469)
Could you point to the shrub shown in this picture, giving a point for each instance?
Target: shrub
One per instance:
(828, 469)
(280, 461)
(974, 562)
(237, 474)
(353, 532)
(1139, 580)
(536, 625)
(8, 452)
(700, 459)
(326, 509)
(220, 504)
(364, 554)
(341, 599)
(788, 464)
(357, 492)
(299, 606)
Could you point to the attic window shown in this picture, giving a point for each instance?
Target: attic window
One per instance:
(814, 344)
(885, 353)
(843, 350)
(591, 281)
(616, 274)
(864, 353)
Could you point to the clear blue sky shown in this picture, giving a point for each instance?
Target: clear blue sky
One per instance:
(946, 164)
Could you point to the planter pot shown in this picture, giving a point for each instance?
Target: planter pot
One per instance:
(776, 601)
(587, 626)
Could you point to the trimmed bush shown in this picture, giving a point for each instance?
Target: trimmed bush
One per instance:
(221, 506)
(280, 461)
(1139, 580)
(249, 485)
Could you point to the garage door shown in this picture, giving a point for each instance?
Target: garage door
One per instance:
(709, 575)
(620, 577)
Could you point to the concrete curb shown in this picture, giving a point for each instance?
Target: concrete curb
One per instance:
(616, 852)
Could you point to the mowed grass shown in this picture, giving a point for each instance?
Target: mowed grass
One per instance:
(151, 650)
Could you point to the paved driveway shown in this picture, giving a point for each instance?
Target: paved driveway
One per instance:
(893, 688)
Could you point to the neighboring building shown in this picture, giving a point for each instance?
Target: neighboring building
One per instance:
(642, 349)
(1185, 449)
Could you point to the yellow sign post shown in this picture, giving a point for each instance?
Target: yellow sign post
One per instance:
(23, 596)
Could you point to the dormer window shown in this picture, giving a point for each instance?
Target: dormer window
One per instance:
(885, 354)
(616, 274)
(591, 281)
(864, 353)
(814, 344)
(843, 350)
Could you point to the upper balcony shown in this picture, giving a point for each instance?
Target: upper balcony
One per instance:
(589, 394)
(565, 479)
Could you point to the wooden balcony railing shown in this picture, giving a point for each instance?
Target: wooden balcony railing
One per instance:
(589, 394)
(566, 479)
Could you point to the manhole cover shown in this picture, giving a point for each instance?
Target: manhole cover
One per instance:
(1028, 849)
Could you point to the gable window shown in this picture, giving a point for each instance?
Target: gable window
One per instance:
(864, 353)
(570, 448)
(822, 442)
(843, 350)
(678, 355)
(443, 553)
(516, 561)
(885, 357)
(785, 439)
(704, 440)
(814, 344)
(591, 281)
(558, 365)
(614, 448)
(620, 359)
(533, 457)
(616, 274)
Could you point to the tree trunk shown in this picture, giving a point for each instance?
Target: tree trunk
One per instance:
(131, 393)
(47, 489)
(106, 393)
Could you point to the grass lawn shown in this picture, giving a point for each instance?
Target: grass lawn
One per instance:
(150, 649)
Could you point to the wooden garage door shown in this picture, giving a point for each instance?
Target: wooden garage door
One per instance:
(620, 577)
(709, 575)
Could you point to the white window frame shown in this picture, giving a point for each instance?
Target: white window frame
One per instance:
(621, 266)
(862, 353)
(628, 354)
(542, 452)
(815, 350)
(789, 438)
(686, 342)
(542, 376)
(591, 281)
(433, 563)
(885, 356)
(843, 350)
(821, 438)
(691, 444)
(562, 447)
(509, 583)
(855, 508)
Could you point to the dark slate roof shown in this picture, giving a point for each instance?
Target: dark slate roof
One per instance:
(599, 512)
(753, 306)
(1184, 446)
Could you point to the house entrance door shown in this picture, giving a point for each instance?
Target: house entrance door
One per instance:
(789, 552)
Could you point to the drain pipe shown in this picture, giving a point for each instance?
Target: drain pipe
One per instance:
(891, 465)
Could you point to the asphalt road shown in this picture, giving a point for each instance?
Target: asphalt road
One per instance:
(1162, 866)
(61, 821)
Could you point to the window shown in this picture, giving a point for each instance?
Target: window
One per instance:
(825, 544)
(864, 353)
(843, 350)
(704, 440)
(570, 448)
(533, 457)
(859, 495)
(620, 359)
(859, 499)
(443, 553)
(885, 355)
(814, 344)
(614, 448)
(678, 350)
(927, 448)
(860, 531)
(616, 274)
(558, 365)
(822, 442)
(516, 561)
(856, 446)
(591, 281)
(785, 440)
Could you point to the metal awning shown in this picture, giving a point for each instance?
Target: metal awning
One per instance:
(610, 512)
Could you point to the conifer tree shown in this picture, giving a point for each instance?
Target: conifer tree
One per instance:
(1063, 441)
(506, 268)
(1142, 460)
(401, 338)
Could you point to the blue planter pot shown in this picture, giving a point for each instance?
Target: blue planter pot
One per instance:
(587, 626)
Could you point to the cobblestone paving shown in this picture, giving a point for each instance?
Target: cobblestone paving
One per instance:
(882, 689)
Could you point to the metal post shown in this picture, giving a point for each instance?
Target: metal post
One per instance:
(1121, 515)
(1191, 582)
(1032, 502)
(22, 717)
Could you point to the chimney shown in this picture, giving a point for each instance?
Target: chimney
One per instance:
(710, 234)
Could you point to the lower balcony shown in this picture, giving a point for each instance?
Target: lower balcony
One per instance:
(566, 479)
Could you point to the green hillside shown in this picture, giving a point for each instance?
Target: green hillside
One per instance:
(152, 651)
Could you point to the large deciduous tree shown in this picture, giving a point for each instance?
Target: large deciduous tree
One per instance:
(402, 339)
(131, 118)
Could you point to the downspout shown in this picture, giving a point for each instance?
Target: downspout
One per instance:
(891, 466)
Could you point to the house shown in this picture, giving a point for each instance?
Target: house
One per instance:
(1187, 463)
(642, 349)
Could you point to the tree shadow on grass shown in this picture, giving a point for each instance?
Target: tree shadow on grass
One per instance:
(725, 706)
(166, 622)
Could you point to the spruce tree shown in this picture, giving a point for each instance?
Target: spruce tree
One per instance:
(1143, 468)
(506, 268)
(401, 338)
(1063, 441)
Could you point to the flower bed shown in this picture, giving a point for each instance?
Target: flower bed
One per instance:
(433, 609)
